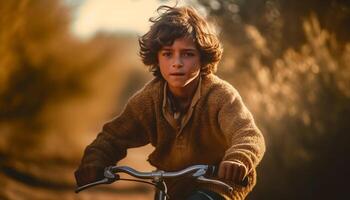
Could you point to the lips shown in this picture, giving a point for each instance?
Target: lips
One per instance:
(177, 74)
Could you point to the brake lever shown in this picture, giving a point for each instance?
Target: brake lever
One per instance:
(109, 177)
(103, 181)
(216, 182)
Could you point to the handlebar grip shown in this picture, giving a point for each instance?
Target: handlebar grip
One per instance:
(212, 170)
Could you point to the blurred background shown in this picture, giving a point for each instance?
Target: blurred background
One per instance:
(68, 66)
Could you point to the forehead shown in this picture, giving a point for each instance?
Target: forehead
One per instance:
(181, 43)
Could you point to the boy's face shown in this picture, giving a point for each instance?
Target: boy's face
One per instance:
(179, 63)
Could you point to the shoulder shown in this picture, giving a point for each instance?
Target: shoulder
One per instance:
(151, 87)
(149, 93)
(219, 89)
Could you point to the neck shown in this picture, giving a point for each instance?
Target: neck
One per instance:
(185, 93)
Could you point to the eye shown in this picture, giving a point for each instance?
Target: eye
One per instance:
(189, 54)
(166, 54)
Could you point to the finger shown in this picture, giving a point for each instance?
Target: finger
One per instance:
(229, 172)
(239, 174)
(235, 173)
(221, 172)
(243, 173)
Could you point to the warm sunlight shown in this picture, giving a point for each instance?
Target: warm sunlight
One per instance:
(70, 67)
(111, 15)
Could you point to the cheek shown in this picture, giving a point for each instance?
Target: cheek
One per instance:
(163, 67)
(195, 66)
(161, 62)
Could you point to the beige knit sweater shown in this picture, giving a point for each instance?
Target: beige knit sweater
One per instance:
(220, 128)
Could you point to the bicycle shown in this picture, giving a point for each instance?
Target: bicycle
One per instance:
(198, 172)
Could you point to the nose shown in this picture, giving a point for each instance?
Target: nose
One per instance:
(177, 62)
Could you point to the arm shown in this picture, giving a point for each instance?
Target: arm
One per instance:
(246, 143)
(123, 132)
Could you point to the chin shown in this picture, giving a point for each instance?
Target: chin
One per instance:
(177, 85)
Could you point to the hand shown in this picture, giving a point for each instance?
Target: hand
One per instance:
(232, 171)
(88, 174)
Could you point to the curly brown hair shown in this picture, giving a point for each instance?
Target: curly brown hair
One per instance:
(178, 22)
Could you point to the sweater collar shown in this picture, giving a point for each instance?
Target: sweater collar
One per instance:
(171, 117)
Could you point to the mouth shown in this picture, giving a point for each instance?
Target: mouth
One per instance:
(177, 74)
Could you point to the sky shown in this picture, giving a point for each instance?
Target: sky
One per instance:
(128, 16)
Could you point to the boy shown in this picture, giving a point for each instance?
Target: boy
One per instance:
(186, 112)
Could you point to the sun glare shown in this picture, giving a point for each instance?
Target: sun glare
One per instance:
(115, 16)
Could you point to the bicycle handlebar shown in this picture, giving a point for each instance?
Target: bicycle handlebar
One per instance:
(196, 171)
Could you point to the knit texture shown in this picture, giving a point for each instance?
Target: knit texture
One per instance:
(220, 128)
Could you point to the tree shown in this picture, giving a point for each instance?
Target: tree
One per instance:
(290, 62)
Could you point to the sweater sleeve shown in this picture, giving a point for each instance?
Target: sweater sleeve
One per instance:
(125, 131)
(246, 143)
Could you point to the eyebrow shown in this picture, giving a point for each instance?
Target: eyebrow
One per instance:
(170, 49)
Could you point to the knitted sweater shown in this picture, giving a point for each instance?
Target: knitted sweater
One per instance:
(220, 128)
